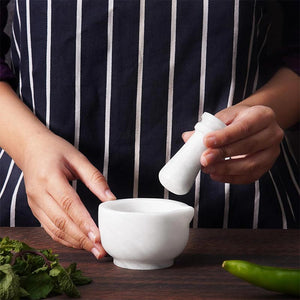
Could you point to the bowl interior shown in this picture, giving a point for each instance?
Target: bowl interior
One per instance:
(144, 205)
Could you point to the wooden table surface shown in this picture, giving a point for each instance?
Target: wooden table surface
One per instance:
(196, 274)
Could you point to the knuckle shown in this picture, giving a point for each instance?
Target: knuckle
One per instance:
(265, 112)
(43, 176)
(279, 134)
(66, 202)
(55, 238)
(82, 224)
(273, 154)
(268, 112)
(83, 242)
(30, 194)
(60, 223)
(58, 235)
(31, 191)
(97, 177)
(244, 129)
(276, 137)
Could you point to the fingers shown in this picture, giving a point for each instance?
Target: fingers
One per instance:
(70, 203)
(90, 176)
(252, 141)
(253, 130)
(50, 165)
(86, 230)
(61, 227)
(255, 143)
(245, 169)
(247, 123)
(227, 115)
(186, 135)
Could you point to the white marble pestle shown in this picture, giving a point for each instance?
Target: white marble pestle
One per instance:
(179, 173)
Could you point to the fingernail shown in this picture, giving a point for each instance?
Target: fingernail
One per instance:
(205, 159)
(92, 236)
(110, 195)
(96, 252)
(185, 135)
(210, 141)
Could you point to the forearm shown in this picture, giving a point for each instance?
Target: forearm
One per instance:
(282, 95)
(17, 124)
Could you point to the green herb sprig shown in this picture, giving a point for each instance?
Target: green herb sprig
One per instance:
(29, 273)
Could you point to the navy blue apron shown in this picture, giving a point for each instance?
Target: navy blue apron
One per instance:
(121, 80)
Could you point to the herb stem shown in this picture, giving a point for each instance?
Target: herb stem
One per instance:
(23, 252)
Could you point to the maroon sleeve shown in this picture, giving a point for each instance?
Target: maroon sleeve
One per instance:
(5, 73)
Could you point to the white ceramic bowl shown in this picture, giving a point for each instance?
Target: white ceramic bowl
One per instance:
(144, 233)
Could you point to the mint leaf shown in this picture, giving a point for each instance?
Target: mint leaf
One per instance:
(38, 285)
(35, 274)
(9, 283)
(76, 275)
(23, 293)
(65, 282)
(8, 245)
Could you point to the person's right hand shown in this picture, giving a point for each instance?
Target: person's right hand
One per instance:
(49, 164)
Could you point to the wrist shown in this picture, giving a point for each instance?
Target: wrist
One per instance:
(36, 143)
(282, 95)
(17, 124)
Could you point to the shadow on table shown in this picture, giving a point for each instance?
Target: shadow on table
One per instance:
(198, 260)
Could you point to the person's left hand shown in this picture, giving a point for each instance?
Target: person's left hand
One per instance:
(251, 141)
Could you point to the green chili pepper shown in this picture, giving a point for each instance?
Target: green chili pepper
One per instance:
(285, 281)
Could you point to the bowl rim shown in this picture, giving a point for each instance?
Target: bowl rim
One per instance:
(178, 206)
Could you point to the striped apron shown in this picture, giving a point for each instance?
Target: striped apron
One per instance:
(121, 80)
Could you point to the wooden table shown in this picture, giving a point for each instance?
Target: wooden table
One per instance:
(196, 274)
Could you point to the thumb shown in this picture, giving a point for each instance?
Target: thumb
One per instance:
(229, 114)
(91, 177)
(186, 135)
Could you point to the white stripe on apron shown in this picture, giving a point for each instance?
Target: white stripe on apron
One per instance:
(48, 61)
(30, 66)
(77, 78)
(14, 202)
(290, 169)
(257, 188)
(256, 205)
(290, 149)
(284, 222)
(201, 100)
(1, 153)
(108, 85)
(258, 56)
(230, 98)
(171, 84)
(17, 47)
(250, 50)
(139, 99)
(7, 177)
(291, 208)
(15, 193)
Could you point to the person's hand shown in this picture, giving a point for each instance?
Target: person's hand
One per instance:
(49, 164)
(244, 150)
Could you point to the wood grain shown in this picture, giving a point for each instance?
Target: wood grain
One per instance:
(196, 274)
